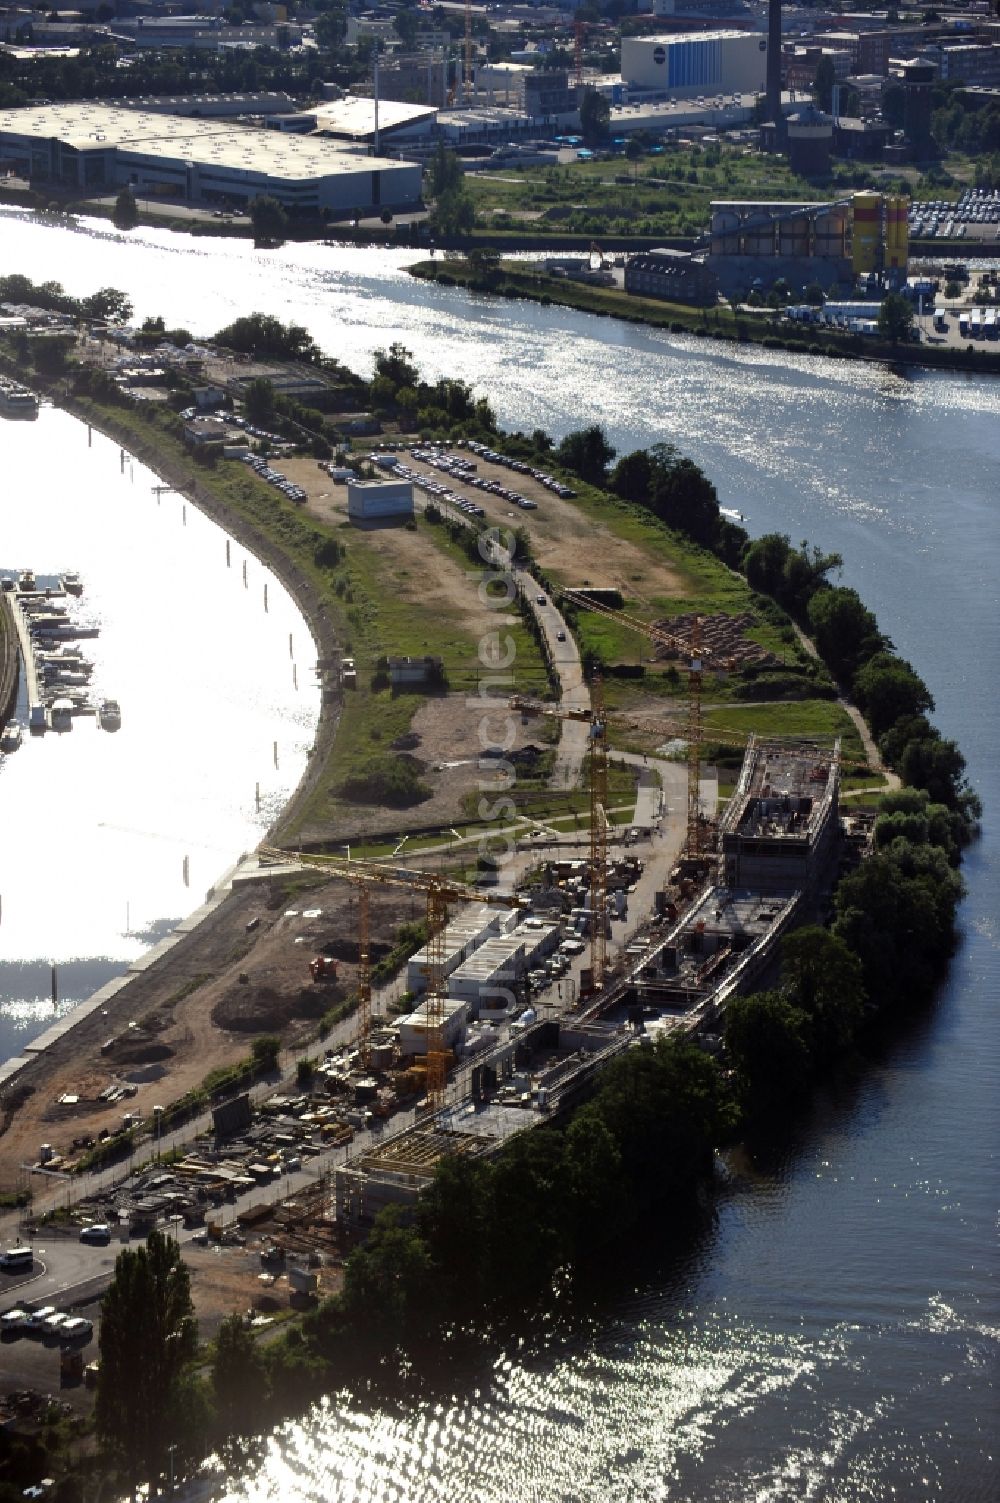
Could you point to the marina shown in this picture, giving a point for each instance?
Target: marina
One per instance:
(56, 674)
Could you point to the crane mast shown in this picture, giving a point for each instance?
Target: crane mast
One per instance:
(438, 891)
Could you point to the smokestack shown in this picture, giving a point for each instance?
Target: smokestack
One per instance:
(774, 63)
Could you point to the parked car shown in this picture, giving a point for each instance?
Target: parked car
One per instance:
(99, 1235)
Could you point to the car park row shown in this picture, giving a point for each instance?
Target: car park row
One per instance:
(46, 1322)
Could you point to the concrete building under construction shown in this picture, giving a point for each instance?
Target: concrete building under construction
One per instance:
(780, 849)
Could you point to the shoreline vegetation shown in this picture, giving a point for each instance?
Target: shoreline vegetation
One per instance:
(526, 1231)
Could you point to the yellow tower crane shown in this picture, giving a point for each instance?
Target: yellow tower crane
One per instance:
(439, 890)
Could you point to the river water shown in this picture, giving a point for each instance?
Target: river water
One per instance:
(834, 1334)
(110, 838)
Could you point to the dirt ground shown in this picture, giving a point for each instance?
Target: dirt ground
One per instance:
(195, 1013)
(567, 544)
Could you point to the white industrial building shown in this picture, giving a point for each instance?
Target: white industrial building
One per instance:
(703, 62)
(488, 978)
(91, 147)
(460, 939)
(357, 119)
(413, 1029)
(379, 500)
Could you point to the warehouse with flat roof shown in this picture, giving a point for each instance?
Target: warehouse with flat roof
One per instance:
(94, 147)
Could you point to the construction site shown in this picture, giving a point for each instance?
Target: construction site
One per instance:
(519, 993)
(425, 1006)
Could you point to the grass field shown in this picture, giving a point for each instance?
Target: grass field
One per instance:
(667, 193)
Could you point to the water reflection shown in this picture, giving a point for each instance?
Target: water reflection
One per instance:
(109, 839)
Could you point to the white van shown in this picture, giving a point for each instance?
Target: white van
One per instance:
(15, 1258)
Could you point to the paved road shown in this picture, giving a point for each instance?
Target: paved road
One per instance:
(562, 649)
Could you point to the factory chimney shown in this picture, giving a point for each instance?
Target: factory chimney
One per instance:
(774, 65)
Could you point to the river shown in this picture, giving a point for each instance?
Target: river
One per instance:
(109, 839)
(834, 1334)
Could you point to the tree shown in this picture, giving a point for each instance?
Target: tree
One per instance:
(396, 364)
(588, 453)
(387, 1282)
(109, 303)
(766, 1043)
(264, 1052)
(845, 630)
(444, 171)
(259, 401)
(269, 220)
(764, 563)
(406, 24)
(814, 295)
(126, 210)
(823, 979)
(454, 213)
(148, 1341)
(895, 318)
(887, 688)
(632, 476)
(897, 913)
(263, 335)
(595, 117)
(239, 1377)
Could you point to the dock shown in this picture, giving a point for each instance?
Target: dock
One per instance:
(45, 637)
(36, 707)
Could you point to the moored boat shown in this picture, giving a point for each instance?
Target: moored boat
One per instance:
(16, 400)
(109, 715)
(11, 738)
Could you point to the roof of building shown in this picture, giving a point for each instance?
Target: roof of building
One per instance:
(88, 127)
(354, 116)
(670, 38)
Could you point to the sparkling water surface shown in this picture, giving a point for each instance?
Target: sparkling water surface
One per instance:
(833, 1332)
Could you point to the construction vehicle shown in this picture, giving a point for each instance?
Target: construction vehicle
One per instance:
(323, 968)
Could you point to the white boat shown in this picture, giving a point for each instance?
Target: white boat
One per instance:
(11, 738)
(72, 583)
(61, 714)
(109, 715)
(16, 400)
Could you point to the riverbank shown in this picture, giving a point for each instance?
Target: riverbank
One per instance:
(8, 663)
(718, 323)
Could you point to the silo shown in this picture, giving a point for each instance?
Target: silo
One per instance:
(867, 240)
(758, 234)
(793, 236)
(831, 234)
(897, 233)
(725, 233)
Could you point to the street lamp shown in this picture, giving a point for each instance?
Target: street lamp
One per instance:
(158, 1114)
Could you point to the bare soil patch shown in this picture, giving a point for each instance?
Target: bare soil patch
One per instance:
(568, 543)
(192, 989)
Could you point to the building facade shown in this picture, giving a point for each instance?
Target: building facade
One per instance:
(672, 275)
(90, 147)
(709, 62)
